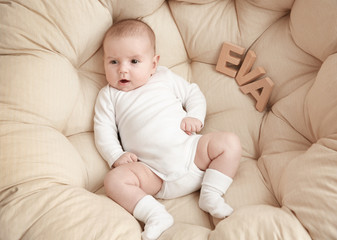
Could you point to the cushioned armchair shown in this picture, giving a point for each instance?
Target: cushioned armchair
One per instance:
(51, 175)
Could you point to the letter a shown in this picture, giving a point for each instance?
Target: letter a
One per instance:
(260, 90)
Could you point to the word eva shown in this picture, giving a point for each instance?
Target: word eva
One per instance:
(245, 77)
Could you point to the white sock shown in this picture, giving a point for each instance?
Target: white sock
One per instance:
(214, 185)
(154, 215)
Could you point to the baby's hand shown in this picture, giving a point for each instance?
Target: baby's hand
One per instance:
(125, 158)
(191, 125)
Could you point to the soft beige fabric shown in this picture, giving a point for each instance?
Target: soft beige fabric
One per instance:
(51, 175)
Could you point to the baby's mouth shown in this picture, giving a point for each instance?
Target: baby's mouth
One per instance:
(124, 81)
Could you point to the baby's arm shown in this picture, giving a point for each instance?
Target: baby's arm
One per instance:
(194, 103)
(105, 129)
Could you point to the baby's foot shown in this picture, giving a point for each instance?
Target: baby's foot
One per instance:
(154, 215)
(214, 186)
(156, 225)
(214, 204)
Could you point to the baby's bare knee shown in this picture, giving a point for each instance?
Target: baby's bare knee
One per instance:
(233, 142)
(230, 144)
(118, 177)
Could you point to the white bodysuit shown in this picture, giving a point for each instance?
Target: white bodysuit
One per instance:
(148, 122)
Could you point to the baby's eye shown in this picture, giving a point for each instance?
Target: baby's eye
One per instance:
(113, 62)
(134, 61)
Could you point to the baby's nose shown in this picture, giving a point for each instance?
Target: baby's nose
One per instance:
(122, 69)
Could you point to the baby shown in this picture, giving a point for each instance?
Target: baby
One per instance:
(145, 124)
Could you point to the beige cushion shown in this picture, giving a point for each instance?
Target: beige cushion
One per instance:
(51, 175)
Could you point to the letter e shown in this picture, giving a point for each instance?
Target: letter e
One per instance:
(225, 57)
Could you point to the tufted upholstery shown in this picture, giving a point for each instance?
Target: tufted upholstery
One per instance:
(51, 71)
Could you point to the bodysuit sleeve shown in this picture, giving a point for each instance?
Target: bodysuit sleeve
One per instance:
(191, 97)
(105, 128)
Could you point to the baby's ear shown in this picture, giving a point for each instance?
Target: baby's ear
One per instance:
(155, 62)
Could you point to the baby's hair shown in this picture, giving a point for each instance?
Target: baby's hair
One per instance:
(130, 28)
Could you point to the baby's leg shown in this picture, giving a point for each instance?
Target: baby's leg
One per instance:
(219, 154)
(131, 186)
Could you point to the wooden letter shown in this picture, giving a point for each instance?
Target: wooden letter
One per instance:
(244, 75)
(226, 57)
(260, 90)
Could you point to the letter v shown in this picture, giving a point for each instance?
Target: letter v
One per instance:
(244, 75)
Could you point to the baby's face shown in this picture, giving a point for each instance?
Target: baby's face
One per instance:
(129, 62)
